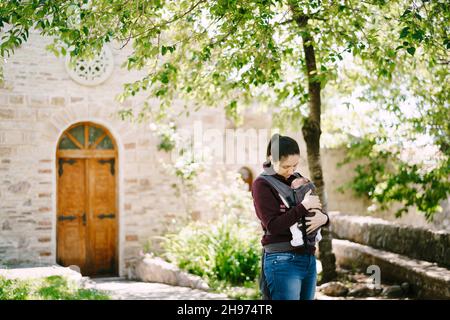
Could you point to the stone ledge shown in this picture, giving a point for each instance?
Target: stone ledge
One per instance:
(154, 269)
(426, 279)
(418, 243)
(41, 272)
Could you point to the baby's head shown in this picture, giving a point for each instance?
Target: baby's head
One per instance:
(297, 183)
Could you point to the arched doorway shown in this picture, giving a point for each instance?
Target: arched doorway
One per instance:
(87, 231)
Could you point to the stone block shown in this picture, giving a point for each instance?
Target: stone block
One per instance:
(21, 187)
(76, 99)
(26, 114)
(58, 101)
(44, 195)
(11, 137)
(131, 237)
(333, 289)
(41, 272)
(38, 101)
(7, 114)
(4, 152)
(16, 100)
(130, 146)
(151, 269)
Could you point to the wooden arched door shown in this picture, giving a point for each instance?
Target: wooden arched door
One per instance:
(86, 203)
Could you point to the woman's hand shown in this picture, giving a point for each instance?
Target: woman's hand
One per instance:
(311, 201)
(316, 221)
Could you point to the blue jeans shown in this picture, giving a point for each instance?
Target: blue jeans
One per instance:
(290, 276)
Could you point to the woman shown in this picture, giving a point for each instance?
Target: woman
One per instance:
(290, 272)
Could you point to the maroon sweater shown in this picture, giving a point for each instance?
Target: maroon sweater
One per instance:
(275, 217)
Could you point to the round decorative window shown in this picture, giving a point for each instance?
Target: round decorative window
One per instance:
(92, 72)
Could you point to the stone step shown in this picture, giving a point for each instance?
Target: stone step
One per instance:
(107, 279)
(41, 272)
(427, 280)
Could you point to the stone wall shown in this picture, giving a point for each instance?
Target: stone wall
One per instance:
(417, 243)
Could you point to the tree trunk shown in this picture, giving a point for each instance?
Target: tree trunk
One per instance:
(311, 133)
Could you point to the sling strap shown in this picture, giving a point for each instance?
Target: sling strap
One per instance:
(285, 192)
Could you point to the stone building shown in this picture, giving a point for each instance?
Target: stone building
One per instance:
(80, 186)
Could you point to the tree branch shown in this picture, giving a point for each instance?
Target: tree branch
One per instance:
(171, 20)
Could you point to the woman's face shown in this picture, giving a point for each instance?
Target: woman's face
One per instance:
(287, 165)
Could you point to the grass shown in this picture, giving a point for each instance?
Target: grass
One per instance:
(247, 291)
(242, 293)
(49, 288)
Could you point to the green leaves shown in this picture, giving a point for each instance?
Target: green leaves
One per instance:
(404, 33)
(225, 250)
(48, 288)
(417, 35)
(169, 72)
(232, 112)
(386, 179)
(411, 50)
(165, 49)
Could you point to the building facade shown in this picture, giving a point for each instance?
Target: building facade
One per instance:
(80, 186)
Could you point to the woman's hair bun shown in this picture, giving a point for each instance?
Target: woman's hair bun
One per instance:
(281, 146)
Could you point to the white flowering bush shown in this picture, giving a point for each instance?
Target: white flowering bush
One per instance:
(167, 134)
(227, 194)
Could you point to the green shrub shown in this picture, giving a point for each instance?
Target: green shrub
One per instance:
(224, 251)
(13, 289)
(58, 288)
(49, 288)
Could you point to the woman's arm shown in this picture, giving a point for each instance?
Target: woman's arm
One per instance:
(319, 220)
(267, 208)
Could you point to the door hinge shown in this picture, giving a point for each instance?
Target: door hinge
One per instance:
(61, 163)
(106, 216)
(69, 218)
(111, 162)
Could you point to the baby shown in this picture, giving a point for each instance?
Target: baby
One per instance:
(301, 186)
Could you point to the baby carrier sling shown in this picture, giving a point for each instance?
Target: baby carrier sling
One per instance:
(289, 197)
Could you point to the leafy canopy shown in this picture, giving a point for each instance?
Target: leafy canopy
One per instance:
(230, 52)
